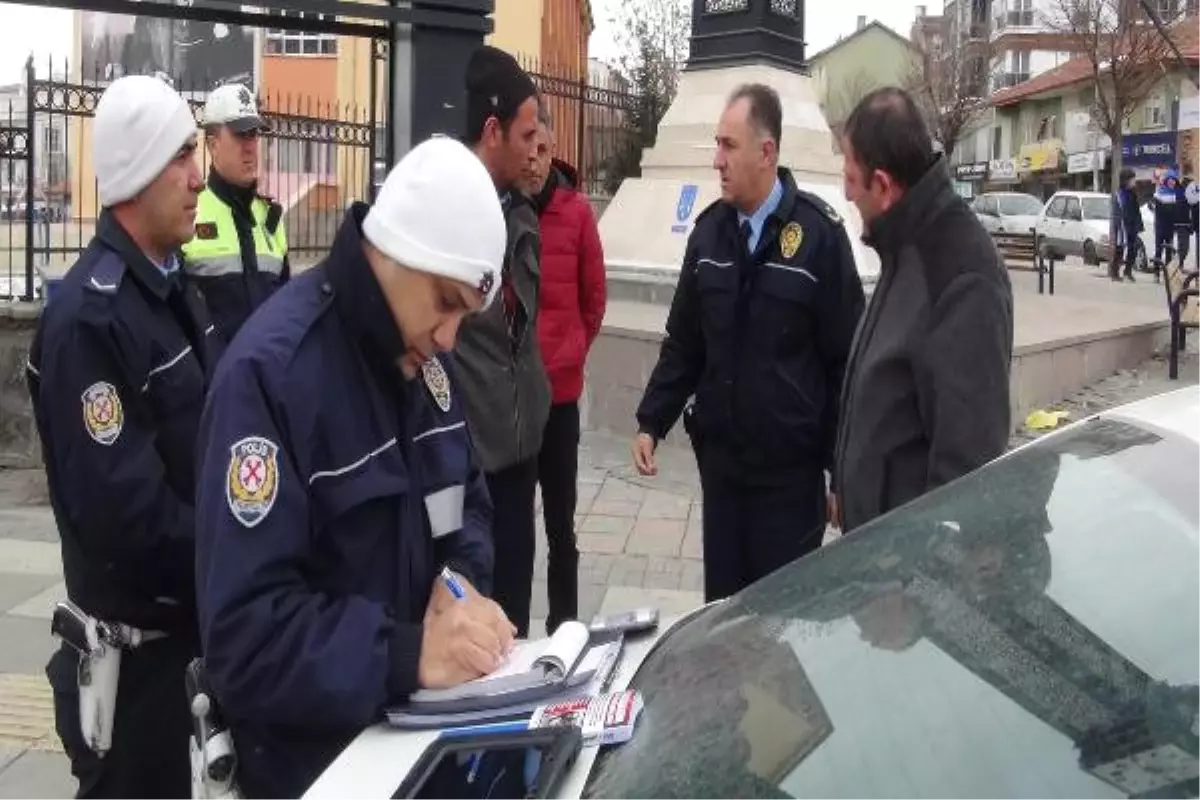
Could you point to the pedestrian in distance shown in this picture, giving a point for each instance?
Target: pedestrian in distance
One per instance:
(759, 331)
(1127, 226)
(570, 313)
(337, 480)
(117, 373)
(505, 389)
(239, 255)
(926, 397)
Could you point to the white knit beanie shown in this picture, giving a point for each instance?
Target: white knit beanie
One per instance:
(438, 212)
(141, 123)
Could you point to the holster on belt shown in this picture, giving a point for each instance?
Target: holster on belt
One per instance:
(214, 760)
(99, 645)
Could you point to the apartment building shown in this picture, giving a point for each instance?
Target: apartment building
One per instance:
(1026, 40)
(322, 76)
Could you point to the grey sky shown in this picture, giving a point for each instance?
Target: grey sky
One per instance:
(25, 28)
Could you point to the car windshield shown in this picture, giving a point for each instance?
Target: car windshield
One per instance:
(1096, 208)
(1030, 630)
(1012, 205)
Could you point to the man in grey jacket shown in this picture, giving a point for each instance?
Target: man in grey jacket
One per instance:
(926, 395)
(506, 392)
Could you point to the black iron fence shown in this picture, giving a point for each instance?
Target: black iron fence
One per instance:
(317, 157)
(597, 120)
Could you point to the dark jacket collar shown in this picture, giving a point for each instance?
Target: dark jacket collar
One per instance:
(920, 205)
(782, 212)
(357, 296)
(237, 197)
(562, 176)
(115, 238)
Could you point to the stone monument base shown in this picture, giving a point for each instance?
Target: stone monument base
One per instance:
(648, 221)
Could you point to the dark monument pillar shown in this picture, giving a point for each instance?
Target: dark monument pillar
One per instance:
(432, 53)
(727, 33)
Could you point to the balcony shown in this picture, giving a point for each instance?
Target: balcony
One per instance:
(1007, 79)
(1022, 18)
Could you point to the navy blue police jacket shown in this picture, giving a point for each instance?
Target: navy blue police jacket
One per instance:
(761, 340)
(117, 374)
(331, 492)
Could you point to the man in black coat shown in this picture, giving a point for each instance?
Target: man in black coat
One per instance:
(926, 397)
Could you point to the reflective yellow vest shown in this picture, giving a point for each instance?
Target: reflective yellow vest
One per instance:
(214, 258)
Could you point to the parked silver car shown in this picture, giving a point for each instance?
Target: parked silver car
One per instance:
(1007, 212)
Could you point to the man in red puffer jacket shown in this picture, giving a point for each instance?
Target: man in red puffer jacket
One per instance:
(570, 311)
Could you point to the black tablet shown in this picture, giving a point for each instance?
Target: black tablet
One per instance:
(515, 764)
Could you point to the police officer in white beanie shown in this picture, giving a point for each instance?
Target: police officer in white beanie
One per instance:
(337, 481)
(117, 374)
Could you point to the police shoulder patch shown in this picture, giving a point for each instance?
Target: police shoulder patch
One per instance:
(103, 415)
(437, 382)
(252, 480)
(206, 230)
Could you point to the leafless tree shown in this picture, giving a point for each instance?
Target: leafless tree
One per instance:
(1126, 51)
(842, 95)
(653, 37)
(949, 82)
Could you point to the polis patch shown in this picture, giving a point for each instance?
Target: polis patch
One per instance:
(252, 482)
(206, 230)
(103, 415)
(790, 239)
(437, 382)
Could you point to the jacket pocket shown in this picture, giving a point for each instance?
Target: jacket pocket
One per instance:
(444, 456)
(717, 285)
(788, 301)
(175, 382)
(341, 492)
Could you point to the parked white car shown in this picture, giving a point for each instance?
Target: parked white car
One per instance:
(1077, 224)
(1007, 212)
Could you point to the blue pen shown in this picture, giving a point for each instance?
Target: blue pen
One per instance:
(452, 584)
(459, 593)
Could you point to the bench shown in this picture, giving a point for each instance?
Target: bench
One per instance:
(1183, 304)
(1021, 251)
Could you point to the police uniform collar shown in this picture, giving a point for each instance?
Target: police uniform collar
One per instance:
(783, 210)
(357, 296)
(117, 239)
(233, 196)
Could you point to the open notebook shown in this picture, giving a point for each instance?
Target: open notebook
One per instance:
(531, 671)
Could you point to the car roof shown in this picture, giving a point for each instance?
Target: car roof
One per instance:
(1080, 194)
(999, 635)
(1176, 411)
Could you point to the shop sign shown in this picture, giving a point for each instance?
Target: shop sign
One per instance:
(1040, 156)
(1002, 170)
(976, 171)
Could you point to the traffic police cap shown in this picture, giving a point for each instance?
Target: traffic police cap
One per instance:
(234, 106)
(141, 123)
(438, 212)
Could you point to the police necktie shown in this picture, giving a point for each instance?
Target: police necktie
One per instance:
(747, 231)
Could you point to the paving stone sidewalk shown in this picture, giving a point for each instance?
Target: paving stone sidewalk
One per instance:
(639, 540)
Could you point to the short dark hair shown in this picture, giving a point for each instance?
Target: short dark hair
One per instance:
(477, 117)
(887, 132)
(766, 112)
(1125, 175)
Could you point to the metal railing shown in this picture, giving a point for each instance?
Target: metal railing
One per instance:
(317, 158)
(597, 120)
